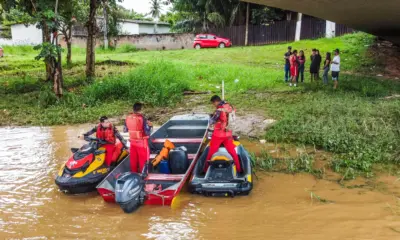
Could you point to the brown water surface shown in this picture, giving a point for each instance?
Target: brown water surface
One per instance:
(280, 207)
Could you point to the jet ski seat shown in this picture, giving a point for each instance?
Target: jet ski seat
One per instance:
(223, 159)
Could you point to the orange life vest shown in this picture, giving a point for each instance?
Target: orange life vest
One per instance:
(106, 134)
(134, 123)
(223, 120)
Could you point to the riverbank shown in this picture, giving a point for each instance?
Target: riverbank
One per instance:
(358, 123)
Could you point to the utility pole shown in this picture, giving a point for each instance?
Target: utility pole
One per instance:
(105, 24)
(246, 39)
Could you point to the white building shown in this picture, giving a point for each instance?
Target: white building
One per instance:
(30, 35)
(134, 27)
(26, 34)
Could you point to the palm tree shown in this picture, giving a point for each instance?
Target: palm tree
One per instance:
(155, 11)
(199, 15)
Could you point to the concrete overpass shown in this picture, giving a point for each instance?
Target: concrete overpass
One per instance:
(378, 17)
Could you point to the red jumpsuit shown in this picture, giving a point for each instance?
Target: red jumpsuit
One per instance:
(107, 134)
(139, 149)
(221, 135)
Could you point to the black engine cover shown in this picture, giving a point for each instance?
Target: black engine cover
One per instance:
(129, 192)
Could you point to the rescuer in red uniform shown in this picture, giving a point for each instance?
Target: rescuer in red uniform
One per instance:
(107, 132)
(221, 133)
(139, 129)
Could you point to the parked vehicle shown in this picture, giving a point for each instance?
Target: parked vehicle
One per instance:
(1, 52)
(211, 41)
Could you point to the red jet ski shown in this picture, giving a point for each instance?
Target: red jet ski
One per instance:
(86, 168)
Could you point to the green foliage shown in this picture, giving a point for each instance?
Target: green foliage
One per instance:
(263, 161)
(155, 8)
(361, 131)
(47, 51)
(127, 48)
(265, 15)
(123, 48)
(19, 84)
(170, 17)
(47, 98)
(195, 16)
(123, 13)
(158, 83)
(16, 15)
(303, 163)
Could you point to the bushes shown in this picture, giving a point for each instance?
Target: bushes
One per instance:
(158, 83)
(19, 49)
(123, 48)
(361, 131)
(19, 84)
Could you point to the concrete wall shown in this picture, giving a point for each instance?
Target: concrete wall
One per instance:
(146, 41)
(22, 35)
(6, 41)
(159, 41)
(149, 28)
(129, 28)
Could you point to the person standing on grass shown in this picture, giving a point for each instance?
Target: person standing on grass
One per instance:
(319, 60)
(294, 68)
(335, 68)
(302, 61)
(327, 64)
(313, 65)
(287, 63)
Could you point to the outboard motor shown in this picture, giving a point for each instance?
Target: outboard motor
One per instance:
(129, 191)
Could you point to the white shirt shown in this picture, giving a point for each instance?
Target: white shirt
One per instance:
(335, 67)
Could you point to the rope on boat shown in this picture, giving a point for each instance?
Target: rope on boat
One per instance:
(159, 195)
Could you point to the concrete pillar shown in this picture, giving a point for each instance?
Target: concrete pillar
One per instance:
(298, 27)
(246, 39)
(330, 29)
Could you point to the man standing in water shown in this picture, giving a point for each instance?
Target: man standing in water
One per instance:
(139, 129)
(287, 63)
(106, 132)
(221, 133)
(335, 68)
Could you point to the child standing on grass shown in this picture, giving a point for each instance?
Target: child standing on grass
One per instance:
(335, 68)
(294, 68)
(327, 64)
(302, 61)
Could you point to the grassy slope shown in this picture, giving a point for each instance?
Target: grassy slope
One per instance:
(353, 122)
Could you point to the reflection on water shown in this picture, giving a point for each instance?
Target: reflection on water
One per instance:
(278, 208)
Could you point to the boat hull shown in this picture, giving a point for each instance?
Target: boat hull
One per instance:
(187, 131)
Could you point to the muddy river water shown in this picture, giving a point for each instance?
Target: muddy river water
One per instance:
(279, 207)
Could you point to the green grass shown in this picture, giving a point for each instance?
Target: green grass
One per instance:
(355, 122)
